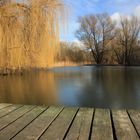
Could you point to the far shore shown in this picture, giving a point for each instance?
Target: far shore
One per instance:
(66, 64)
(110, 65)
(61, 64)
(71, 64)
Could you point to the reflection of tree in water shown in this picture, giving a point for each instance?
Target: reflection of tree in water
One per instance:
(87, 86)
(31, 88)
(111, 87)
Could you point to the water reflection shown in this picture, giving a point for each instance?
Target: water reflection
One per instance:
(112, 88)
(31, 88)
(106, 87)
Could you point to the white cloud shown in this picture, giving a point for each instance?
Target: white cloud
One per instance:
(116, 17)
(137, 11)
(78, 43)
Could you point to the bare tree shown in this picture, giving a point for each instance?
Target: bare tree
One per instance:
(126, 40)
(71, 52)
(96, 31)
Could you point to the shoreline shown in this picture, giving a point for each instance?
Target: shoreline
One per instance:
(110, 65)
(58, 65)
(71, 64)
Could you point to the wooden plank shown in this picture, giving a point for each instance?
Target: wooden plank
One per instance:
(11, 130)
(7, 110)
(102, 128)
(123, 127)
(60, 126)
(135, 117)
(80, 129)
(6, 120)
(3, 105)
(30, 122)
(39, 125)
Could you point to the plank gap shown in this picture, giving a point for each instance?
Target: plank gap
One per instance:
(17, 118)
(133, 123)
(113, 126)
(10, 111)
(49, 124)
(59, 127)
(71, 124)
(3, 105)
(91, 127)
(29, 122)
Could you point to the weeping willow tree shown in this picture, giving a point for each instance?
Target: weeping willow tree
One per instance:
(29, 33)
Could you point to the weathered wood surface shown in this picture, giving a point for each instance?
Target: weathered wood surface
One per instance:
(60, 126)
(81, 125)
(123, 126)
(135, 118)
(26, 122)
(102, 128)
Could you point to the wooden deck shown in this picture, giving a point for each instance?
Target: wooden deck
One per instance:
(25, 122)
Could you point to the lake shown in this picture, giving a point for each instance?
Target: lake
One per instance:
(85, 86)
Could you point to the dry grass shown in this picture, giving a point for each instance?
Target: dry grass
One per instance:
(29, 33)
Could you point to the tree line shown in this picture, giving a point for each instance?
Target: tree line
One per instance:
(110, 41)
(72, 52)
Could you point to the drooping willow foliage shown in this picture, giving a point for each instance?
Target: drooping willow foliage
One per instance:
(29, 33)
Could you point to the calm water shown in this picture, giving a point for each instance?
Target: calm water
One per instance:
(106, 87)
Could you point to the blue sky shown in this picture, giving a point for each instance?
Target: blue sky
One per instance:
(78, 8)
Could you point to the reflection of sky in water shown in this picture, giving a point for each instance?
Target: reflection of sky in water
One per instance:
(69, 96)
(106, 87)
(116, 87)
